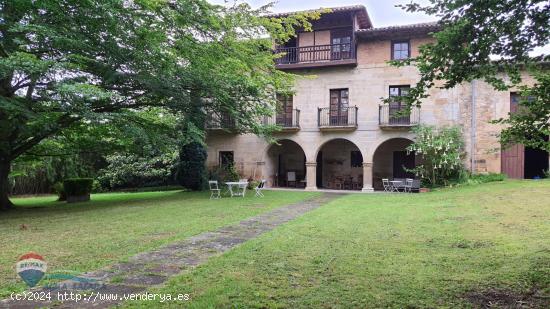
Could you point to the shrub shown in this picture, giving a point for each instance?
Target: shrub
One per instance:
(132, 171)
(191, 169)
(60, 191)
(491, 177)
(441, 151)
(224, 174)
(78, 186)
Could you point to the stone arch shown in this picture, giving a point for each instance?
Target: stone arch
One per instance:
(283, 157)
(339, 164)
(388, 159)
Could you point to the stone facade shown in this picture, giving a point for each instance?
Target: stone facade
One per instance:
(367, 83)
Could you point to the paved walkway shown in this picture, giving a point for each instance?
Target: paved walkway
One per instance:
(153, 268)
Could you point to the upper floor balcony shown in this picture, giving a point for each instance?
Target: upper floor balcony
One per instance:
(288, 121)
(339, 54)
(396, 117)
(222, 122)
(341, 118)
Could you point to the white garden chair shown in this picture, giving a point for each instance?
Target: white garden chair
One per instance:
(215, 192)
(260, 187)
(387, 186)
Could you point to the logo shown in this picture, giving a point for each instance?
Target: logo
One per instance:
(31, 267)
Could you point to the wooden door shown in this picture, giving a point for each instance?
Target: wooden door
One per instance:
(339, 103)
(284, 114)
(512, 158)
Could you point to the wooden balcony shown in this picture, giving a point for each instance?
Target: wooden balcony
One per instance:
(394, 117)
(293, 58)
(343, 119)
(287, 122)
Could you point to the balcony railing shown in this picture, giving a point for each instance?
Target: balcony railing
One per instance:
(395, 116)
(343, 117)
(222, 121)
(314, 54)
(285, 120)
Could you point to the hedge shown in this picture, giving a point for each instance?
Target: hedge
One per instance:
(78, 186)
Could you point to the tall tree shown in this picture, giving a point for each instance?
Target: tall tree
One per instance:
(491, 40)
(74, 63)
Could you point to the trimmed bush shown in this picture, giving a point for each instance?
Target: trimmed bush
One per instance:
(78, 189)
(191, 169)
(490, 177)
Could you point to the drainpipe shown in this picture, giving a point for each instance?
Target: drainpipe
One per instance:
(473, 128)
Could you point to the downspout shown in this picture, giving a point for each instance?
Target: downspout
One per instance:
(473, 128)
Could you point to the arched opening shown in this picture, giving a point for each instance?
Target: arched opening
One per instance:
(391, 161)
(339, 166)
(286, 165)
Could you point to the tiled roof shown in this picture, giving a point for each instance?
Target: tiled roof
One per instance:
(412, 29)
(363, 15)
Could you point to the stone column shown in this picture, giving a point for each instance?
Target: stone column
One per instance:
(367, 177)
(311, 176)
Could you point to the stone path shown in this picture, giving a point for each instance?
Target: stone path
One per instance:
(153, 268)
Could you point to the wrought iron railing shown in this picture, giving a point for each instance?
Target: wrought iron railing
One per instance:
(285, 120)
(220, 121)
(389, 115)
(317, 53)
(337, 117)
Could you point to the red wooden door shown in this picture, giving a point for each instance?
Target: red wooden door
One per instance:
(512, 161)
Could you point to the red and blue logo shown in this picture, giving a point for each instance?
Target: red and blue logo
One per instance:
(31, 267)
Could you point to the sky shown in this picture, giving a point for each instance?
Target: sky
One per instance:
(382, 12)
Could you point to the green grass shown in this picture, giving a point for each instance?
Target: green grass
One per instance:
(112, 227)
(379, 251)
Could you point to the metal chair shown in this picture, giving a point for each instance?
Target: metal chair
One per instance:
(387, 186)
(291, 178)
(260, 187)
(215, 192)
(407, 188)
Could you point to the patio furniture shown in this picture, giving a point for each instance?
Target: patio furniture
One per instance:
(260, 187)
(215, 192)
(408, 185)
(291, 178)
(237, 188)
(387, 185)
(396, 184)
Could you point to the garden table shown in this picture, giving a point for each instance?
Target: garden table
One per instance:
(239, 185)
(395, 184)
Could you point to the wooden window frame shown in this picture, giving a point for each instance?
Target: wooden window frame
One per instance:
(393, 42)
(222, 153)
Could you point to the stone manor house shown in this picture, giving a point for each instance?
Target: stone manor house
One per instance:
(337, 134)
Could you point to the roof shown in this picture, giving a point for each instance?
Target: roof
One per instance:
(362, 14)
(396, 31)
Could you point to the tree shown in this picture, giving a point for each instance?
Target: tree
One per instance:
(491, 41)
(441, 151)
(77, 64)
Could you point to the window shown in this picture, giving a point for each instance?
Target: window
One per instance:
(226, 158)
(284, 111)
(396, 105)
(339, 103)
(356, 159)
(341, 44)
(400, 50)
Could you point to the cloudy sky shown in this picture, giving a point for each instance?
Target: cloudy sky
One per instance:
(382, 12)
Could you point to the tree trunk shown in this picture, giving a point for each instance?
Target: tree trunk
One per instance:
(5, 202)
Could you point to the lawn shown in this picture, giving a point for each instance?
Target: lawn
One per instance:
(112, 227)
(460, 247)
